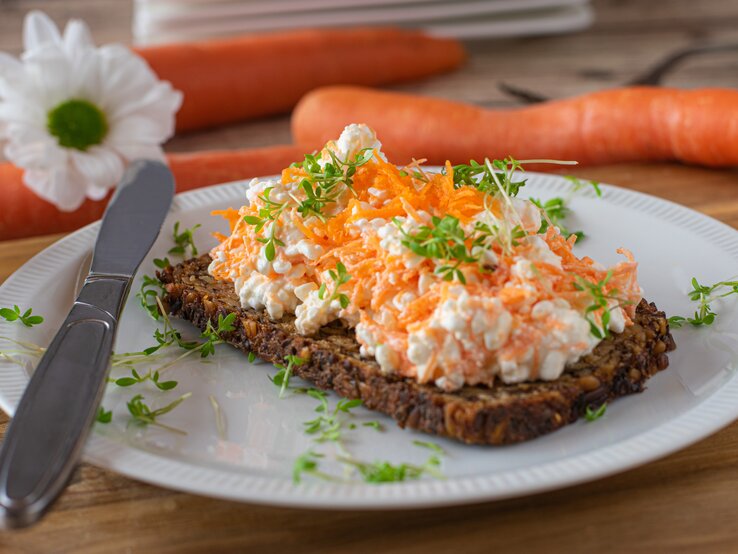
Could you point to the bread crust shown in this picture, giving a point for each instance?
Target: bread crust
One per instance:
(503, 414)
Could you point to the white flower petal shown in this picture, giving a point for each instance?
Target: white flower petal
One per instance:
(101, 168)
(88, 78)
(31, 149)
(10, 67)
(157, 98)
(13, 81)
(128, 77)
(39, 30)
(60, 186)
(27, 155)
(133, 130)
(132, 152)
(158, 105)
(22, 112)
(52, 75)
(97, 193)
(77, 38)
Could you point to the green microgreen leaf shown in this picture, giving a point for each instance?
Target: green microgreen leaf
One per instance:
(431, 446)
(326, 181)
(142, 414)
(705, 295)
(307, 463)
(151, 375)
(126, 381)
(148, 294)
(269, 213)
(330, 426)
(492, 177)
(373, 424)
(282, 377)
(346, 406)
(214, 335)
(446, 240)
(602, 303)
(184, 240)
(594, 415)
(104, 416)
(554, 213)
(25, 317)
(386, 472)
(339, 277)
(579, 184)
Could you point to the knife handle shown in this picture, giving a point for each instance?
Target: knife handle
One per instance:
(45, 438)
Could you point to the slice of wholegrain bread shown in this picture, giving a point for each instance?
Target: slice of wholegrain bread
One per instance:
(501, 414)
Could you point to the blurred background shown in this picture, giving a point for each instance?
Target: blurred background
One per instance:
(555, 48)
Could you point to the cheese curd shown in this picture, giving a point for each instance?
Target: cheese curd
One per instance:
(442, 282)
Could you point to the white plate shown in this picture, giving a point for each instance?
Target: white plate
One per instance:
(695, 397)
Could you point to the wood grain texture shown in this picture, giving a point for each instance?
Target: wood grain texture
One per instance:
(683, 503)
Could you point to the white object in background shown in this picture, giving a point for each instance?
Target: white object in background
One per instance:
(158, 21)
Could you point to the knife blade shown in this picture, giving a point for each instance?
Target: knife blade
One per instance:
(45, 438)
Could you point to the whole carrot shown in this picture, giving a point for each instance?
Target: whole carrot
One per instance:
(201, 169)
(620, 125)
(240, 78)
(24, 214)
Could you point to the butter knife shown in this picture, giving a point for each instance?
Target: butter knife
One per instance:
(45, 438)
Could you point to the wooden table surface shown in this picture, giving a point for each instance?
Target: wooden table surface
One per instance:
(685, 502)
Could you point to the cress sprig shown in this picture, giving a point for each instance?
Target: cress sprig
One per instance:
(490, 177)
(339, 277)
(496, 176)
(282, 377)
(25, 317)
(142, 414)
(325, 182)
(183, 241)
(602, 301)
(136, 378)
(268, 214)
(387, 472)
(151, 288)
(445, 239)
(103, 415)
(214, 334)
(555, 212)
(329, 427)
(704, 295)
(593, 415)
(579, 184)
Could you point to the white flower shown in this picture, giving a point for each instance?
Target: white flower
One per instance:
(73, 115)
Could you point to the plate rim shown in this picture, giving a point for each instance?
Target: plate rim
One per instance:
(716, 411)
